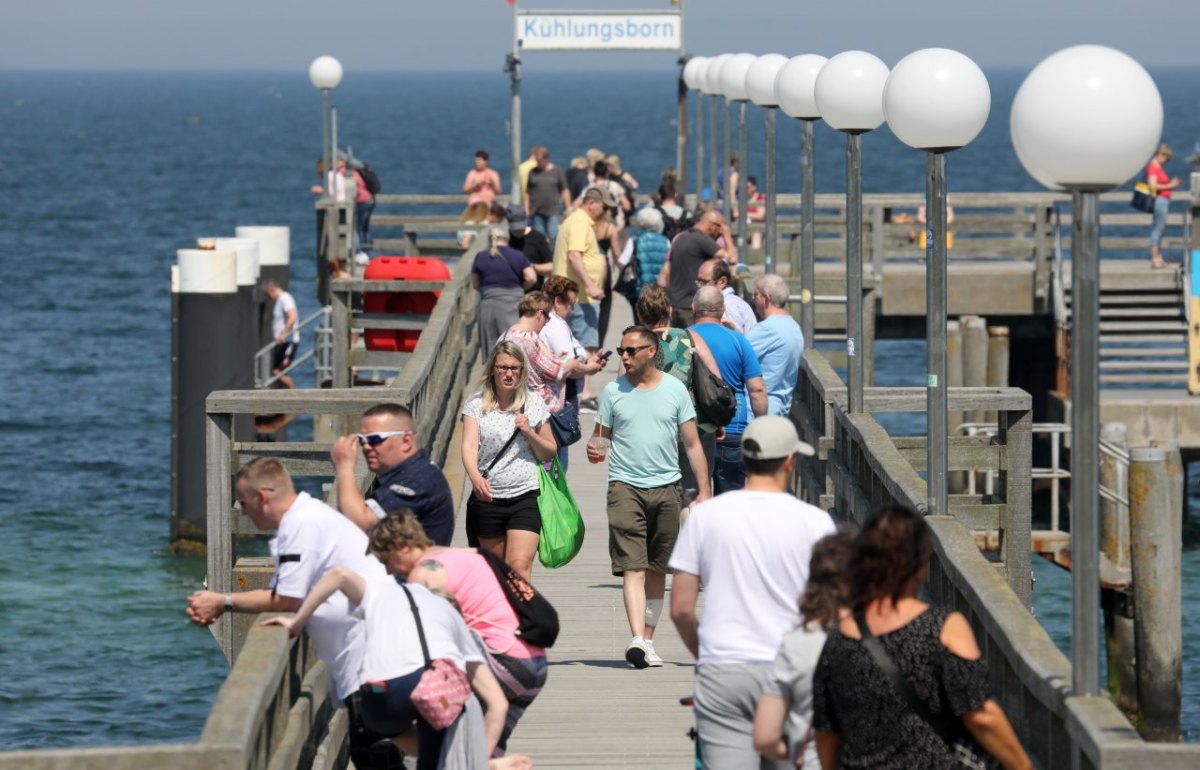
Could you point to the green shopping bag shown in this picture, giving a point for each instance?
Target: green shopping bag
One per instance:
(562, 526)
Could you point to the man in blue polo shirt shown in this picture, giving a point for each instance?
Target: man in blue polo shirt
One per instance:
(405, 477)
(740, 368)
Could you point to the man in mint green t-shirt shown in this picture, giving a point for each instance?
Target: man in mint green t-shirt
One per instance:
(645, 415)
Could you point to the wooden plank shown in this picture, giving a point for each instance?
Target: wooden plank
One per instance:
(218, 460)
(408, 321)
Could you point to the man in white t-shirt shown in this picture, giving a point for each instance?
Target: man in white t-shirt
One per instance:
(285, 328)
(311, 538)
(751, 549)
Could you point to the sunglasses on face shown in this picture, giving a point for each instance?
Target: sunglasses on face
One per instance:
(632, 350)
(375, 439)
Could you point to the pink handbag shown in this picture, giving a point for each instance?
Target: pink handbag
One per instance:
(443, 690)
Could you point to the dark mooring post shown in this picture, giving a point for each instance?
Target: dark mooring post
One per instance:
(1114, 543)
(203, 359)
(1156, 595)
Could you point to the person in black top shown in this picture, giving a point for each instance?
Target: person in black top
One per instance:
(533, 244)
(691, 249)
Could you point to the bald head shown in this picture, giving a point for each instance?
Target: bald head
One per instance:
(708, 303)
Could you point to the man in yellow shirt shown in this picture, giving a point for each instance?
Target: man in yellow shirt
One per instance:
(528, 164)
(577, 256)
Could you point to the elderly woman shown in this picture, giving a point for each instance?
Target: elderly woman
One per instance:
(861, 718)
(650, 247)
(1162, 185)
(520, 667)
(547, 371)
(500, 275)
(506, 434)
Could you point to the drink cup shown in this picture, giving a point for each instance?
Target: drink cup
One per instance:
(598, 446)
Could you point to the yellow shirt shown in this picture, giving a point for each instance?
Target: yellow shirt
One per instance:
(524, 170)
(577, 233)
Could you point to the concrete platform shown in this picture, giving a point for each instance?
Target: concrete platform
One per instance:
(1149, 414)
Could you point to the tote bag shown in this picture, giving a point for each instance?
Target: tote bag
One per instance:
(562, 526)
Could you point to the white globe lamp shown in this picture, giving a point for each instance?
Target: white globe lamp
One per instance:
(693, 70)
(760, 89)
(936, 99)
(795, 86)
(325, 72)
(733, 76)
(712, 74)
(849, 91)
(760, 79)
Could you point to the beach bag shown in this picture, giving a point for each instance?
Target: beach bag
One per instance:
(564, 424)
(965, 751)
(562, 526)
(627, 278)
(1143, 198)
(370, 179)
(443, 690)
(537, 620)
(716, 403)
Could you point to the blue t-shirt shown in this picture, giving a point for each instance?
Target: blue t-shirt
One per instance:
(737, 362)
(417, 484)
(503, 271)
(778, 343)
(645, 430)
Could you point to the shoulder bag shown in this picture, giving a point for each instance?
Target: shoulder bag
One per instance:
(443, 690)
(537, 620)
(965, 751)
(564, 424)
(716, 403)
(1143, 198)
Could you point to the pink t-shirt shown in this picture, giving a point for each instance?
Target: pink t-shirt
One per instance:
(490, 186)
(1155, 173)
(484, 605)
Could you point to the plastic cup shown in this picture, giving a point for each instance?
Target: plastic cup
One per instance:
(599, 445)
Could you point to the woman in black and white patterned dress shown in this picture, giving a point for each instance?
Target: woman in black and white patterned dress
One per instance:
(502, 512)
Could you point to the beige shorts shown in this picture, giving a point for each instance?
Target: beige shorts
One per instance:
(642, 526)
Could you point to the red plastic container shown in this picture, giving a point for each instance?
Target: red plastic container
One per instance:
(400, 269)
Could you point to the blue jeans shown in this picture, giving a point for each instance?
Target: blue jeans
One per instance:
(1162, 206)
(362, 223)
(545, 224)
(728, 472)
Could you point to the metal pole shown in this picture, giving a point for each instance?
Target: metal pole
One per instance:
(769, 246)
(742, 203)
(1085, 436)
(808, 278)
(514, 73)
(699, 150)
(681, 132)
(713, 109)
(854, 281)
(326, 145)
(935, 335)
(727, 185)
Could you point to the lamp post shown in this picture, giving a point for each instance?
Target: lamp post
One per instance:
(936, 100)
(325, 73)
(712, 87)
(760, 87)
(693, 73)
(733, 85)
(795, 87)
(1085, 120)
(849, 94)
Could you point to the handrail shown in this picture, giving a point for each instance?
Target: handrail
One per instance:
(321, 350)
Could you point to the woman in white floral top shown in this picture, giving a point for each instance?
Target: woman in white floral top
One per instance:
(502, 512)
(547, 371)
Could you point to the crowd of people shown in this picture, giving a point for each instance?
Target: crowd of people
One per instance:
(813, 649)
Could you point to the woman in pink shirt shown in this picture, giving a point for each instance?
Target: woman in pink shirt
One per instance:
(482, 185)
(520, 668)
(1162, 185)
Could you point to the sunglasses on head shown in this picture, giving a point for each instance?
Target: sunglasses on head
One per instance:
(375, 439)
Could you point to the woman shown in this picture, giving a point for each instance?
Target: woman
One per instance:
(628, 183)
(1162, 185)
(650, 246)
(506, 434)
(609, 239)
(861, 720)
(783, 722)
(546, 370)
(556, 334)
(501, 275)
(481, 186)
(394, 661)
(520, 668)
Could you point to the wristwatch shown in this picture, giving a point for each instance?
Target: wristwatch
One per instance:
(228, 602)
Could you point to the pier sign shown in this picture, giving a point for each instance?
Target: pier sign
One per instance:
(628, 31)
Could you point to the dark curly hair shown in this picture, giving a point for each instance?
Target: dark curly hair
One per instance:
(829, 588)
(893, 548)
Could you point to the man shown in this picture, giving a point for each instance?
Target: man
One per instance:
(740, 368)
(545, 189)
(739, 316)
(534, 245)
(405, 477)
(750, 549)
(527, 165)
(778, 342)
(690, 250)
(577, 256)
(285, 326)
(311, 538)
(645, 414)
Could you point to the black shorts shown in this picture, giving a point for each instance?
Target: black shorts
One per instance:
(494, 520)
(284, 353)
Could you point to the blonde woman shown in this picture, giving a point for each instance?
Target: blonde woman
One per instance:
(506, 434)
(501, 275)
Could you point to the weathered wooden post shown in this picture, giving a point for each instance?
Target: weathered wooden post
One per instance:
(974, 358)
(997, 361)
(1114, 544)
(1156, 556)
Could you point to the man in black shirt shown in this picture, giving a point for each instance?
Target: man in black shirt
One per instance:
(691, 249)
(535, 246)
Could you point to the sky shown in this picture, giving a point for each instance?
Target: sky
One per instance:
(407, 35)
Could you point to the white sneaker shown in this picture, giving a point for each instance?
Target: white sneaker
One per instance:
(635, 653)
(652, 658)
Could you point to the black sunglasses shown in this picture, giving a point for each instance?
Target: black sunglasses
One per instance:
(632, 350)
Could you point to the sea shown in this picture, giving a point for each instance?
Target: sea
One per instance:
(103, 175)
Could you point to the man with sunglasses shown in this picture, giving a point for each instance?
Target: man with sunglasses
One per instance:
(405, 476)
(645, 415)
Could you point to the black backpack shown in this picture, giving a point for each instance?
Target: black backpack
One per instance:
(370, 179)
(673, 226)
(537, 620)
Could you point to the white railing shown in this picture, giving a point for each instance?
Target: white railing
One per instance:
(321, 353)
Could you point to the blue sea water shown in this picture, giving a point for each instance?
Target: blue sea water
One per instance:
(104, 176)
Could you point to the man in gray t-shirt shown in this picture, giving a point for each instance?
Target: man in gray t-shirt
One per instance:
(691, 249)
(546, 188)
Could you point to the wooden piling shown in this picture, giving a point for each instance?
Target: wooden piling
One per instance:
(956, 480)
(1156, 591)
(1119, 637)
(1177, 485)
(974, 358)
(997, 360)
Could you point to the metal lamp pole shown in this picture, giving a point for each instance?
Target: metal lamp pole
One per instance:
(769, 246)
(936, 402)
(808, 242)
(854, 278)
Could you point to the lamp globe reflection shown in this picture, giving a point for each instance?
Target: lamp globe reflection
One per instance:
(733, 76)
(760, 79)
(849, 91)
(325, 72)
(936, 99)
(795, 86)
(1086, 118)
